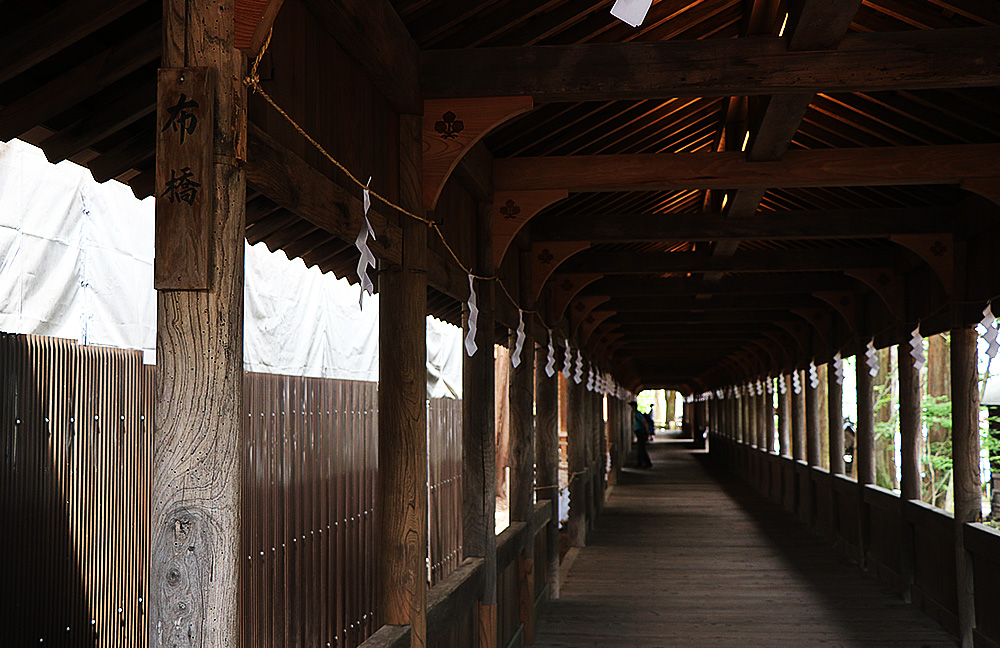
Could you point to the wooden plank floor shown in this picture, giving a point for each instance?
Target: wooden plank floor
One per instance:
(682, 558)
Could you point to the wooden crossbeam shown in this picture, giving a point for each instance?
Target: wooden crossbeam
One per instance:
(648, 304)
(618, 262)
(903, 165)
(671, 287)
(784, 225)
(941, 58)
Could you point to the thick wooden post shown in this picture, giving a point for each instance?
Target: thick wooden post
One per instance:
(547, 461)
(865, 433)
(198, 402)
(798, 419)
(521, 399)
(835, 415)
(965, 462)
(769, 415)
(576, 447)
(402, 420)
(784, 416)
(479, 439)
(909, 424)
(813, 446)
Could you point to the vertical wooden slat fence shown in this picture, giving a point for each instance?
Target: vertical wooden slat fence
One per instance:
(444, 450)
(76, 441)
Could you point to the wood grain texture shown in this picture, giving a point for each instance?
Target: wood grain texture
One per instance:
(402, 474)
(374, 35)
(835, 416)
(814, 448)
(729, 170)
(452, 127)
(939, 58)
(253, 22)
(294, 184)
(910, 407)
(185, 148)
(545, 258)
(865, 432)
(195, 525)
(547, 462)
(686, 557)
(576, 440)
(799, 419)
(512, 210)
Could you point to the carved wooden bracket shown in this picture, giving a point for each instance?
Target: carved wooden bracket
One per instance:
(581, 308)
(773, 351)
(845, 302)
(253, 20)
(821, 319)
(453, 126)
(512, 210)
(546, 257)
(886, 284)
(590, 324)
(566, 286)
(798, 330)
(988, 188)
(937, 250)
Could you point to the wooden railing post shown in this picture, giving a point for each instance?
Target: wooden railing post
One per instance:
(547, 461)
(864, 451)
(197, 472)
(479, 439)
(784, 416)
(835, 415)
(813, 446)
(965, 462)
(798, 417)
(769, 415)
(402, 420)
(576, 442)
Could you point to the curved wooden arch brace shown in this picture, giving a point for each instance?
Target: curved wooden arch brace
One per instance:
(845, 302)
(988, 188)
(452, 127)
(820, 319)
(937, 250)
(886, 284)
(798, 330)
(782, 341)
(581, 308)
(773, 352)
(512, 210)
(253, 20)
(589, 325)
(568, 285)
(546, 257)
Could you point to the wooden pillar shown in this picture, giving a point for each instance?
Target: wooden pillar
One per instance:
(965, 466)
(835, 414)
(198, 396)
(784, 416)
(479, 439)
(576, 527)
(865, 433)
(402, 400)
(798, 419)
(522, 443)
(547, 462)
(909, 424)
(813, 446)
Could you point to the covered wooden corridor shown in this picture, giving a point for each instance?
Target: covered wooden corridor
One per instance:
(685, 555)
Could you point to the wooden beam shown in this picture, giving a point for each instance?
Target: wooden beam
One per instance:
(373, 34)
(55, 30)
(253, 21)
(607, 262)
(452, 127)
(511, 212)
(82, 81)
(774, 226)
(546, 258)
(194, 547)
(296, 185)
(940, 58)
(777, 283)
(901, 165)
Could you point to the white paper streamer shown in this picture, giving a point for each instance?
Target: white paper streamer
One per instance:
(813, 376)
(838, 369)
(632, 12)
(367, 258)
(990, 332)
(769, 386)
(515, 358)
(470, 338)
(782, 385)
(871, 359)
(578, 375)
(550, 365)
(796, 382)
(590, 377)
(567, 361)
(917, 349)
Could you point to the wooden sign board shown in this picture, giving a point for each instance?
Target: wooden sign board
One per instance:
(185, 178)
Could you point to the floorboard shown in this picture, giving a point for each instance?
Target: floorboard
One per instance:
(684, 557)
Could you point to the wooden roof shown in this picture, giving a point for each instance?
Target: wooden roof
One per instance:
(78, 78)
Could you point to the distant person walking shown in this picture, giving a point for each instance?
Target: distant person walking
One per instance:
(642, 428)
